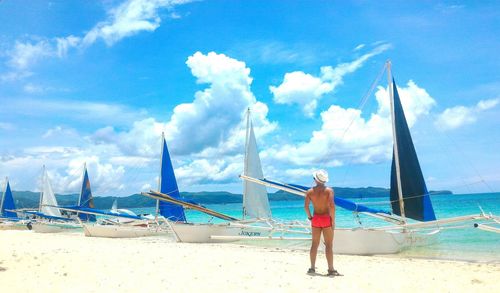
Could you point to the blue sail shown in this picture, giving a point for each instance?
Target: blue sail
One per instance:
(168, 185)
(417, 202)
(86, 200)
(8, 203)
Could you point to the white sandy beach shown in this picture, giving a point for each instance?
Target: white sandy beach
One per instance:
(32, 262)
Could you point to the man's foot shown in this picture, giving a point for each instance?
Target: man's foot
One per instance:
(333, 273)
(311, 271)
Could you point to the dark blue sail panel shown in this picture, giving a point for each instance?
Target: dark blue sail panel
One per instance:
(86, 199)
(168, 185)
(417, 203)
(341, 202)
(8, 203)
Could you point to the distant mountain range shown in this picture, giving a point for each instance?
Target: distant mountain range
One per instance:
(29, 199)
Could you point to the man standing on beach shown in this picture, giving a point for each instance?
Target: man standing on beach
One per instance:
(323, 219)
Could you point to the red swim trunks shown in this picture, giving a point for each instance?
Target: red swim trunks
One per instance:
(321, 221)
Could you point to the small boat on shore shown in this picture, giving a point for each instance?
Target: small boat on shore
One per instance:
(9, 219)
(51, 220)
(140, 226)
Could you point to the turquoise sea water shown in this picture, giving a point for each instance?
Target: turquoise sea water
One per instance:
(461, 243)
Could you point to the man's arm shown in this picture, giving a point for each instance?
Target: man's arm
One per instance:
(331, 206)
(306, 204)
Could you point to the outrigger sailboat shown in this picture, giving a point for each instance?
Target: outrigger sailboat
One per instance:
(8, 215)
(47, 212)
(409, 198)
(258, 224)
(53, 222)
(114, 225)
(408, 194)
(169, 200)
(257, 221)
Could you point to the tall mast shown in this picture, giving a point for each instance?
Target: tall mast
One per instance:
(246, 142)
(159, 177)
(42, 189)
(245, 167)
(395, 141)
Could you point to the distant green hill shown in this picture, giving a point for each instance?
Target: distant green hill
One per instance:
(28, 199)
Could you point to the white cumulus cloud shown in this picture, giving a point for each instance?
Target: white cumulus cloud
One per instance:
(217, 110)
(306, 90)
(455, 117)
(23, 54)
(129, 18)
(345, 136)
(206, 136)
(104, 177)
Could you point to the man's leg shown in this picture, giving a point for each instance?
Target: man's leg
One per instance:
(316, 235)
(328, 236)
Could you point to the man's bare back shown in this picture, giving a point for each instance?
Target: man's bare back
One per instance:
(321, 198)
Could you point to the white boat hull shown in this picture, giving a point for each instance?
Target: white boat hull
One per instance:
(202, 233)
(346, 241)
(43, 227)
(120, 231)
(368, 242)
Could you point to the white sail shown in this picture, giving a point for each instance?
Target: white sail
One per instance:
(48, 198)
(114, 208)
(255, 200)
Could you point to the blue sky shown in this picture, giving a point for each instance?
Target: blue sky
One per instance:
(98, 82)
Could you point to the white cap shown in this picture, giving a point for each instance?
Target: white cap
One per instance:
(321, 176)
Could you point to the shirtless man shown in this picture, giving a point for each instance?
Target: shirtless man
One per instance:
(323, 219)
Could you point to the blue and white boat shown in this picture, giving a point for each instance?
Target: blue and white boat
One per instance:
(258, 225)
(50, 217)
(9, 219)
(412, 210)
(142, 226)
(256, 222)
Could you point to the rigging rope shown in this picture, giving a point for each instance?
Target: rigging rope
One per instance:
(361, 105)
(386, 202)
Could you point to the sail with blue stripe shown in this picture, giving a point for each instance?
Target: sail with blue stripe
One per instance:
(86, 200)
(8, 204)
(168, 185)
(417, 202)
